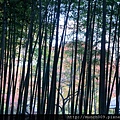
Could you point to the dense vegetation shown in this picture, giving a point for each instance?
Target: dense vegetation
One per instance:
(59, 56)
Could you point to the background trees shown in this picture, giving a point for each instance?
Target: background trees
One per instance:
(59, 56)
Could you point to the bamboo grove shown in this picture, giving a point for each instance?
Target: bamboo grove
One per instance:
(59, 56)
